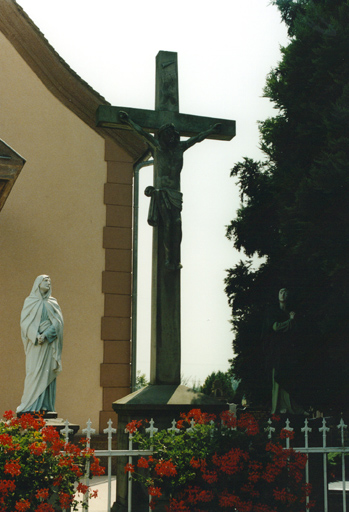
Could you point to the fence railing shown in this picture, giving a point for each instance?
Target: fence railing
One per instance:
(109, 453)
(305, 447)
(322, 449)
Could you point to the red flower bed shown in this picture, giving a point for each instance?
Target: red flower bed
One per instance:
(226, 464)
(38, 469)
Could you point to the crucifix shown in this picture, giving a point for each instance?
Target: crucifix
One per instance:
(167, 125)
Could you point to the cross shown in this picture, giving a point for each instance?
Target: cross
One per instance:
(174, 429)
(342, 426)
(110, 431)
(66, 431)
(324, 429)
(289, 430)
(151, 430)
(269, 428)
(88, 431)
(166, 202)
(306, 429)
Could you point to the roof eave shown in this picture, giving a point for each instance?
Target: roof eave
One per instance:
(58, 77)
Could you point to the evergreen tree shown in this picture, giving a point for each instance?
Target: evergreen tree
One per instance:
(294, 211)
(219, 384)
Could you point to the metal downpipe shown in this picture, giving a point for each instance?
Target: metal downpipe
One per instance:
(136, 170)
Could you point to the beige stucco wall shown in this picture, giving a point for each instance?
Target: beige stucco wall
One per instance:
(51, 223)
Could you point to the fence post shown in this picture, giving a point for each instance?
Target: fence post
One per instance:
(269, 428)
(129, 482)
(151, 430)
(306, 429)
(88, 431)
(324, 429)
(289, 429)
(110, 431)
(342, 426)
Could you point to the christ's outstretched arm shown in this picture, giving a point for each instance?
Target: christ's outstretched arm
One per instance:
(201, 136)
(149, 138)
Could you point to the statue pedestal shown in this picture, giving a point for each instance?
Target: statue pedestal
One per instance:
(47, 415)
(163, 403)
(52, 420)
(59, 424)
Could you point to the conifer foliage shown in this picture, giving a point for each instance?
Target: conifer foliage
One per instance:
(294, 211)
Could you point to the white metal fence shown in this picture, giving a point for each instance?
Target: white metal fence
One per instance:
(109, 453)
(307, 447)
(324, 450)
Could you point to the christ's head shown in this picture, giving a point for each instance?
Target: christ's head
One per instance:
(168, 135)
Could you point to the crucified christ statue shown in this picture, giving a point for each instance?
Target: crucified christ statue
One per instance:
(166, 197)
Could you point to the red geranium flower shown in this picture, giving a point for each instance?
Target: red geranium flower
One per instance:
(228, 419)
(248, 422)
(82, 488)
(12, 467)
(165, 468)
(22, 506)
(96, 468)
(129, 468)
(195, 463)
(37, 448)
(143, 463)
(44, 507)
(7, 486)
(8, 415)
(65, 499)
(42, 494)
(154, 491)
(133, 426)
(286, 434)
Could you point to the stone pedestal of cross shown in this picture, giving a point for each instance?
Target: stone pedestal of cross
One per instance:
(166, 200)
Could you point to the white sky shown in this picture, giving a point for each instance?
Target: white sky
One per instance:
(225, 50)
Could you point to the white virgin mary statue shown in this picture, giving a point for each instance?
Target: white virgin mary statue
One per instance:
(42, 336)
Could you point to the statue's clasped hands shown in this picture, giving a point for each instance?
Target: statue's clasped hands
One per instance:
(41, 339)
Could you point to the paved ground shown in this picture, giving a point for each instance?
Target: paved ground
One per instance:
(338, 486)
(100, 504)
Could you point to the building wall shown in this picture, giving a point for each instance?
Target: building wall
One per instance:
(53, 223)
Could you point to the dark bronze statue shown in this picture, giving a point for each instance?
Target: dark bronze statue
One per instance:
(285, 366)
(166, 197)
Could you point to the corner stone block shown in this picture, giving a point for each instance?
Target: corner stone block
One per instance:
(110, 395)
(117, 352)
(116, 328)
(115, 193)
(119, 172)
(117, 238)
(119, 216)
(116, 282)
(115, 375)
(117, 305)
(114, 152)
(118, 260)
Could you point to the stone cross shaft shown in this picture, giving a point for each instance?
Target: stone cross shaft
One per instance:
(166, 200)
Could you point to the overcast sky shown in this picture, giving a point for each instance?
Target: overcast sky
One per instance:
(225, 50)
